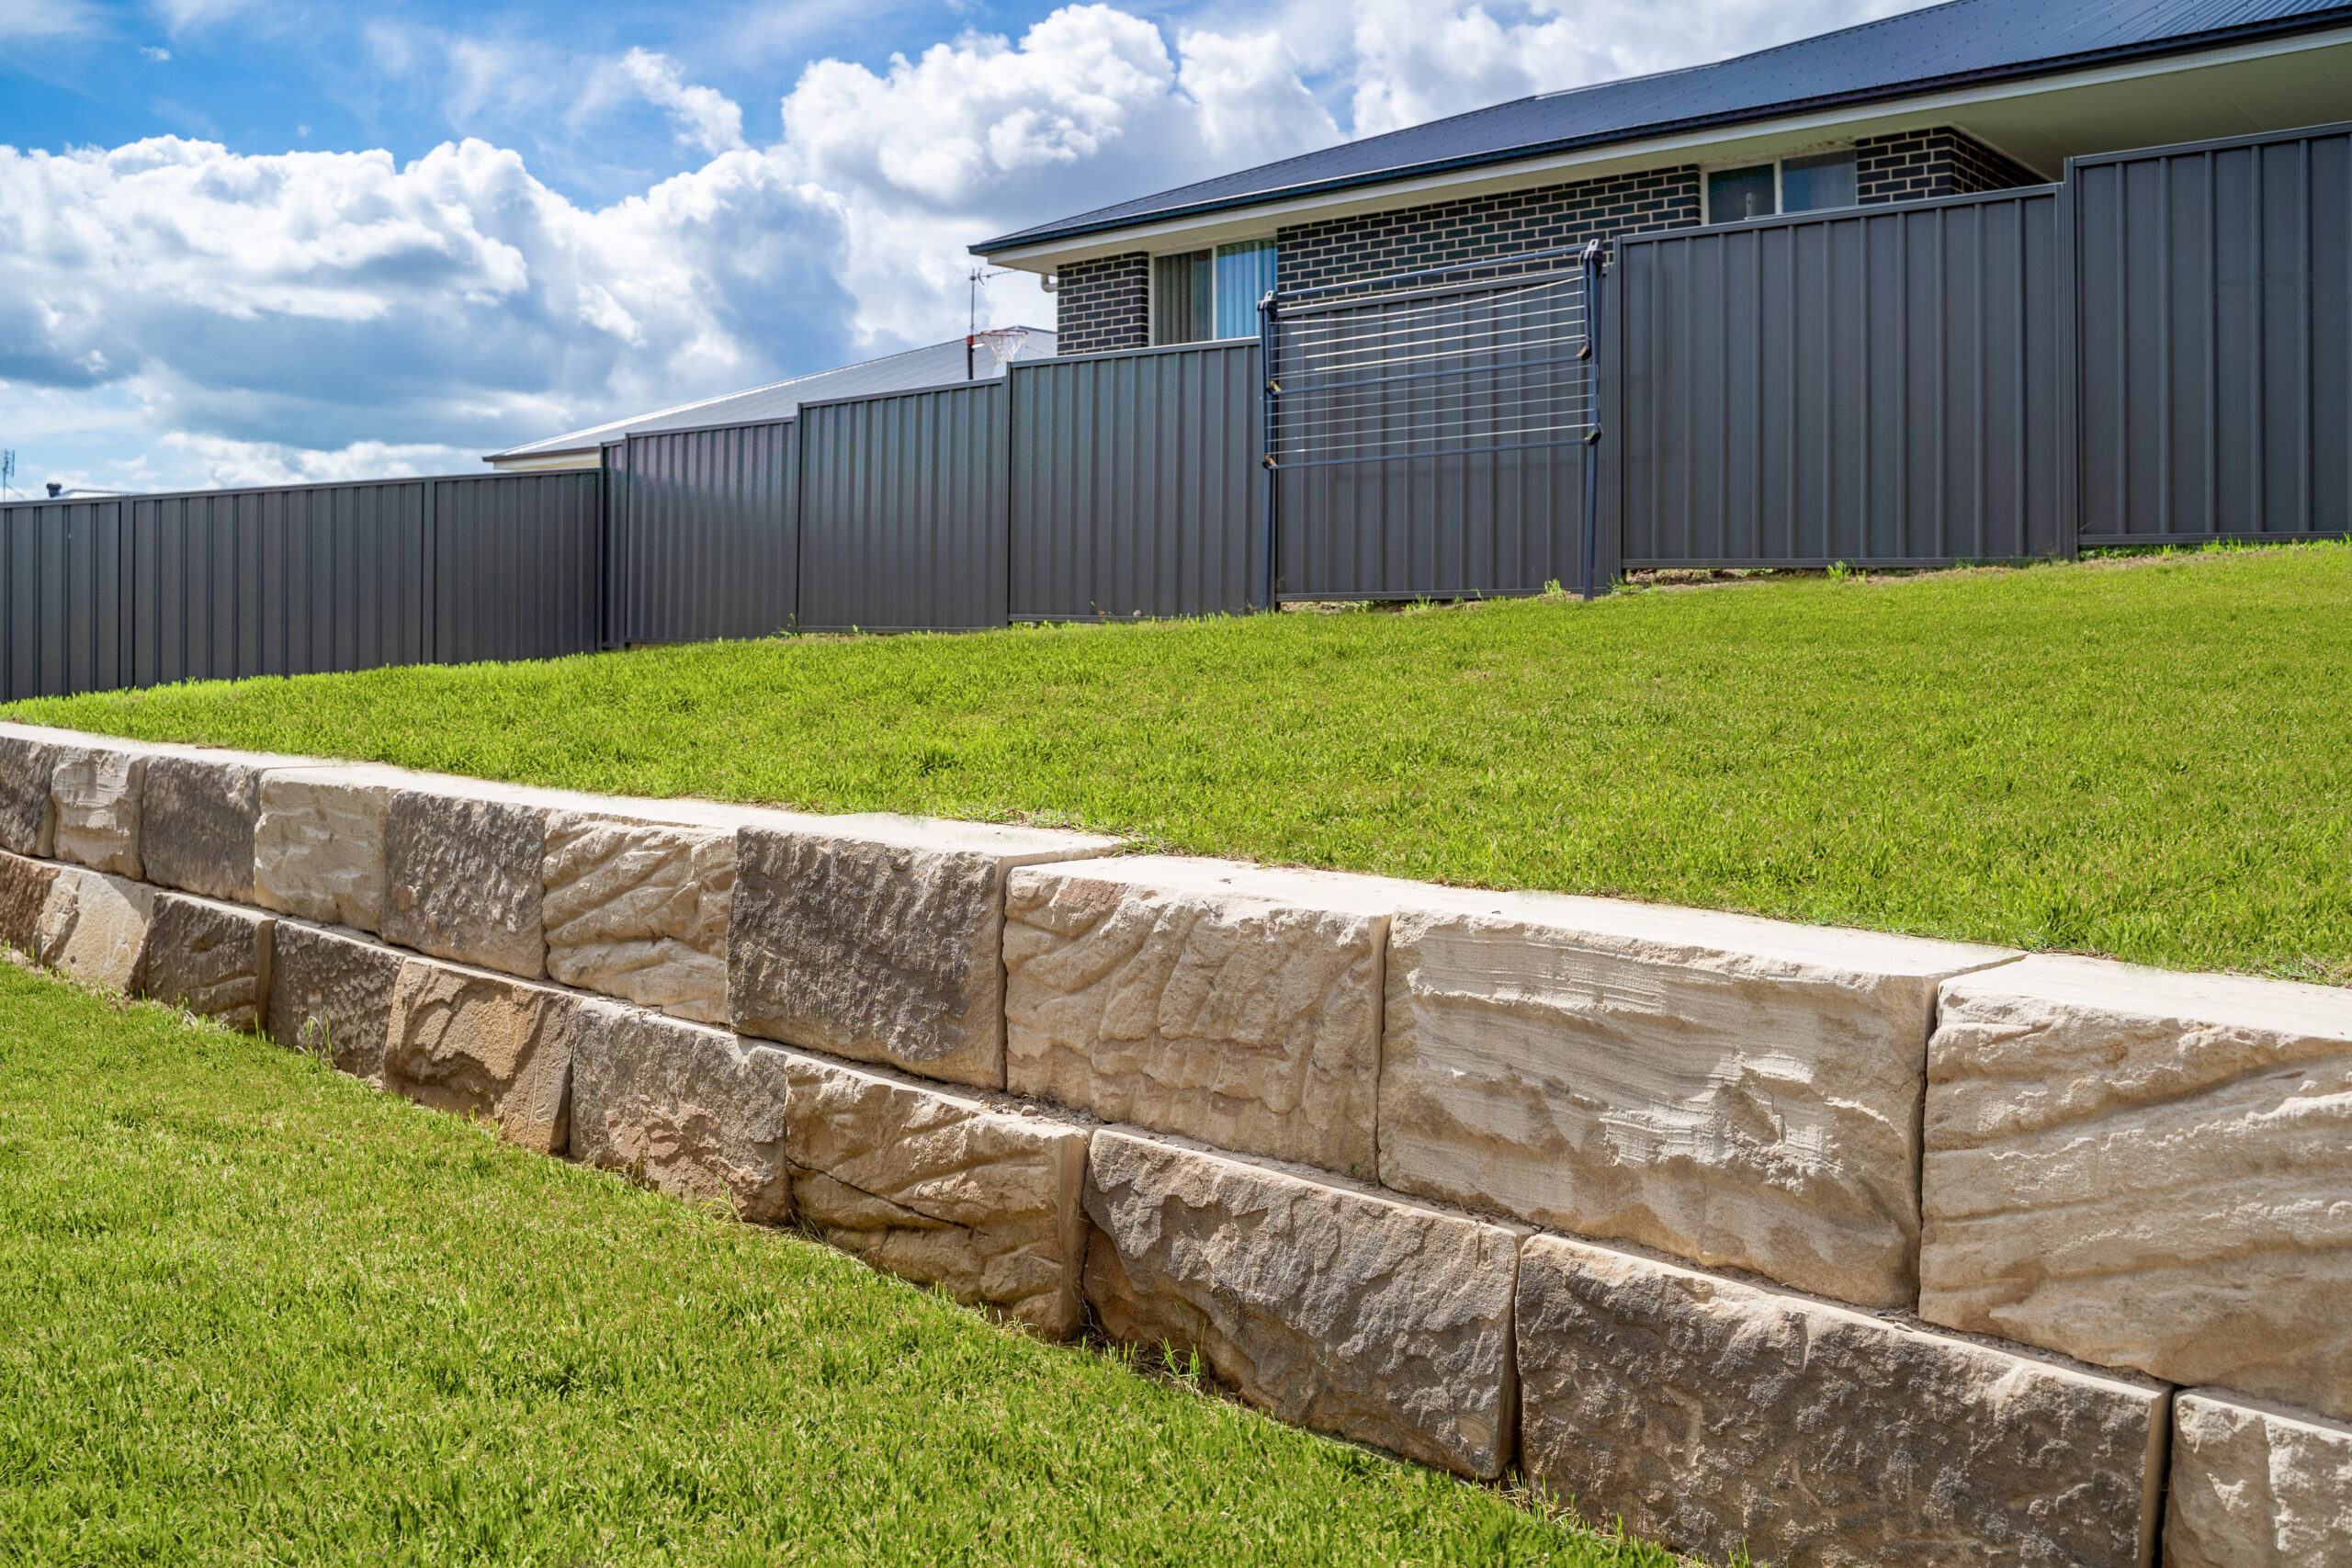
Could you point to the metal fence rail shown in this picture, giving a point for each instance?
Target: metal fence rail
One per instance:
(1430, 434)
(2215, 282)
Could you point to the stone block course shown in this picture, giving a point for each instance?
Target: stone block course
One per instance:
(2257, 1486)
(479, 1044)
(1230, 1003)
(880, 938)
(27, 815)
(330, 996)
(96, 791)
(94, 927)
(2146, 1169)
(211, 958)
(1330, 1306)
(942, 1188)
(690, 1110)
(198, 810)
(25, 887)
(319, 842)
(639, 910)
(462, 877)
(1737, 1091)
(1715, 1416)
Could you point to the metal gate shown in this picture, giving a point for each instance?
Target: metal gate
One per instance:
(1431, 434)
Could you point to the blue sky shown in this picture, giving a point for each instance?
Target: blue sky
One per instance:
(243, 242)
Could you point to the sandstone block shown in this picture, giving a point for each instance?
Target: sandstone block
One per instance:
(880, 938)
(198, 810)
(2257, 1486)
(478, 1043)
(1383, 1321)
(1230, 1003)
(2146, 1169)
(27, 815)
(1715, 1416)
(94, 927)
(1736, 1091)
(208, 957)
(940, 1189)
(693, 1111)
(330, 996)
(96, 791)
(639, 910)
(319, 843)
(24, 891)
(462, 877)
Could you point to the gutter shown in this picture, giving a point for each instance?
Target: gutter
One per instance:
(2318, 21)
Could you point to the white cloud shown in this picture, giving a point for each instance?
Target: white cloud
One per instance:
(42, 18)
(705, 117)
(157, 55)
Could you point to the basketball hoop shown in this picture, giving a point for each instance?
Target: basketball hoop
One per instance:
(1004, 344)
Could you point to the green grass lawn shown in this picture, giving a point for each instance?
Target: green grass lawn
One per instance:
(255, 1313)
(2151, 759)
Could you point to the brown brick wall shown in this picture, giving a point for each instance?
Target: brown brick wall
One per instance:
(1104, 304)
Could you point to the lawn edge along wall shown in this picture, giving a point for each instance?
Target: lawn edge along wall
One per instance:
(1829, 1245)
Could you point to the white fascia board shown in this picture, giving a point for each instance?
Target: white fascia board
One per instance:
(1718, 145)
(547, 462)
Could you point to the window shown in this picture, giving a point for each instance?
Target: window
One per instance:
(1210, 294)
(1183, 288)
(1793, 184)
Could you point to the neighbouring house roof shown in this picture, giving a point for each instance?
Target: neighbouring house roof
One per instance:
(1961, 44)
(932, 366)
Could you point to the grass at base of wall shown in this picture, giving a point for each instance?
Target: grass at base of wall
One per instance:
(2150, 759)
(253, 1311)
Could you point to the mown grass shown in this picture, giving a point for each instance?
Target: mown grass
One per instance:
(255, 1313)
(2150, 759)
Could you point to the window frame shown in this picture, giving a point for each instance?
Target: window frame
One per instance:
(1211, 254)
(1777, 162)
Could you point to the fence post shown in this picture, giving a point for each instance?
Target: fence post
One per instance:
(1270, 390)
(1592, 274)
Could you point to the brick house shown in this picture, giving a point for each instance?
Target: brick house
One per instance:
(1968, 97)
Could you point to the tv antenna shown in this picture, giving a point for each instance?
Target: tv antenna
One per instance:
(978, 279)
(7, 471)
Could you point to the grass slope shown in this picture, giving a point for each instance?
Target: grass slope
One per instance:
(2151, 760)
(251, 1311)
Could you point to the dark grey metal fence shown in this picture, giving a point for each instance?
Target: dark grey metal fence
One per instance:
(1874, 385)
(904, 518)
(2215, 289)
(1135, 483)
(1430, 431)
(705, 533)
(142, 591)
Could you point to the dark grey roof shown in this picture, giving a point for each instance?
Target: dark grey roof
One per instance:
(1958, 44)
(934, 365)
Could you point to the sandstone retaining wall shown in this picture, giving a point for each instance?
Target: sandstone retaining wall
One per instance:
(1830, 1247)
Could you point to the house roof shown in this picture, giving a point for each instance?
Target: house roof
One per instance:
(1962, 43)
(932, 366)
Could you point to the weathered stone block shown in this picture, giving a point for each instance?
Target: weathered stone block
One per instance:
(2146, 1169)
(462, 877)
(212, 959)
(1715, 1416)
(1737, 1091)
(94, 927)
(1230, 1003)
(319, 844)
(639, 910)
(693, 1110)
(1383, 1321)
(940, 1189)
(330, 996)
(96, 791)
(27, 815)
(880, 938)
(484, 1044)
(196, 814)
(24, 892)
(2257, 1486)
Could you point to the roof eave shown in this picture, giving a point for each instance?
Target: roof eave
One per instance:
(1924, 86)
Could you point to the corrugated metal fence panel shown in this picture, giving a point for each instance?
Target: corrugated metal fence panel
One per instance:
(2215, 283)
(903, 511)
(341, 575)
(1875, 385)
(705, 541)
(61, 582)
(517, 566)
(1136, 486)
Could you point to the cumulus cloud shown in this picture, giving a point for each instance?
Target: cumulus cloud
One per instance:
(705, 117)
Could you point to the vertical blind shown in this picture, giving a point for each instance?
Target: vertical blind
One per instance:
(1245, 273)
